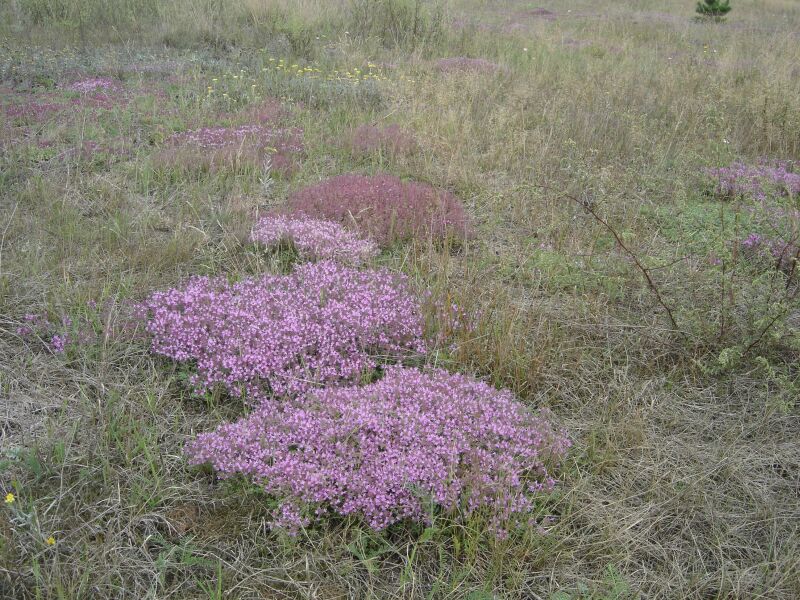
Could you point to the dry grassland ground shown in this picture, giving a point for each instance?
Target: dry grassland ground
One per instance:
(578, 146)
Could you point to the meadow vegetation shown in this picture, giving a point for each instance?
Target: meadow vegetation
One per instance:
(463, 299)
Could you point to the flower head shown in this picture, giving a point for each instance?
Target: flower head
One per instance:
(10, 498)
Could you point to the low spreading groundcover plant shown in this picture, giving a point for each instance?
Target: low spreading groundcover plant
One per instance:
(384, 207)
(314, 239)
(768, 178)
(384, 451)
(228, 147)
(387, 451)
(325, 323)
(766, 195)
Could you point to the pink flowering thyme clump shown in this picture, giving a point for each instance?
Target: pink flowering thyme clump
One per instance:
(766, 179)
(392, 140)
(215, 147)
(325, 323)
(383, 206)
(314, 239)
(386, 450)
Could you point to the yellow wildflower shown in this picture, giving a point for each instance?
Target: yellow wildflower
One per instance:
(10, 498)
(51, 541)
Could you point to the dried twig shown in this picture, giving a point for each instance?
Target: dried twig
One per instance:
(589, 208)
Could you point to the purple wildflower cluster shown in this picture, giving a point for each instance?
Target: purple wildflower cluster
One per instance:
(383, 206)
(297, 345)
(754, 240)
(781, 253)
(462, 64)
(325, 323)
(392, 139)
(214, 138)
(91, 151)
(246, 144)
(27, 109)
(384, 450)
(314, 239)
(761, 181)
(53, 334)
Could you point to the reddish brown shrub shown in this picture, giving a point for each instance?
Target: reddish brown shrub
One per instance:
(383, 206)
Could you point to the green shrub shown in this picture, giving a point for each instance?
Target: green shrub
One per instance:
(714, 8)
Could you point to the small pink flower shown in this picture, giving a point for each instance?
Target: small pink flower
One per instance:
(58, 343)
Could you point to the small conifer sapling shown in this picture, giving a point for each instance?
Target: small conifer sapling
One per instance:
(715, 9)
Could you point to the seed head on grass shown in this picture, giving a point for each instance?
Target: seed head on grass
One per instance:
(383, 451)
(384, 207)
